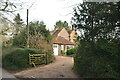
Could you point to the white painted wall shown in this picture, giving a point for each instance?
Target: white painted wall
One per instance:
(55, 49)
(62, 47)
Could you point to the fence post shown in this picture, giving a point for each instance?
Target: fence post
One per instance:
(46, 58)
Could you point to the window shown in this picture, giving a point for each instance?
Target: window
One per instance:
(54, 45)
(68, 47)
(64, 37)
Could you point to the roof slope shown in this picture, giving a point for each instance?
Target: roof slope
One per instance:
(61, 40)
(57, 31)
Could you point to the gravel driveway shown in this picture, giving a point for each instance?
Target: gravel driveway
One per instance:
(61, 68)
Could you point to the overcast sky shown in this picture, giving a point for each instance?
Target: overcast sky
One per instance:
(49, 11)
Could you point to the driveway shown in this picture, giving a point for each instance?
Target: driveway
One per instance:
(61, 68)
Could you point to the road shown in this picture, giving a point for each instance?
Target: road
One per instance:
(61, 68)
(5, 74)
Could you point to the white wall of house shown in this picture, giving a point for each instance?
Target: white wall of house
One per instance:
(62, 47)
(55, 49)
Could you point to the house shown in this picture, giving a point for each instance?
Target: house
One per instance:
(63, 40)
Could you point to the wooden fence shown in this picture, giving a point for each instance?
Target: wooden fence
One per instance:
(37, 59)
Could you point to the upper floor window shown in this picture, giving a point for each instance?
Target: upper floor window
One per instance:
(64, 37)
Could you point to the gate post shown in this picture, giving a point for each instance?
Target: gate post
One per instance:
(46, 58)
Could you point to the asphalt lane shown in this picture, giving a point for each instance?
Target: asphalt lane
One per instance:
(5, 74)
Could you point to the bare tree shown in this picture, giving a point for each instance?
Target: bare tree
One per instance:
(10, 6)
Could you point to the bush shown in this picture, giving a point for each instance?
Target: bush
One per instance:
(50, 57)
(71, 51)
(18, 59)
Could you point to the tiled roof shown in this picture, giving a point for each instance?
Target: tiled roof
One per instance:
(61, 40)
(57, 31)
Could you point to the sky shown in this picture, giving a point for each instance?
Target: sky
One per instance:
(49, 11)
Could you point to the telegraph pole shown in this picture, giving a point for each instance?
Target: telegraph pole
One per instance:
(27, 30)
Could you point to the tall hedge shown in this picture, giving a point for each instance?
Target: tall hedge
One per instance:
(102, 61)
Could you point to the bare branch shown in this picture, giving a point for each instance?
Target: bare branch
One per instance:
(5, 5)
(9, 7)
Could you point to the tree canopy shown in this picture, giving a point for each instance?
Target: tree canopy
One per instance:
(98, 49)
(97, 20)
(37, 31)
(40, 29)
(18, 23)
(60, 24)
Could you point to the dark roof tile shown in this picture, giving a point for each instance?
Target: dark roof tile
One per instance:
(57, 31)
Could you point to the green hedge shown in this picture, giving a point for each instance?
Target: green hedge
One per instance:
(18, 59)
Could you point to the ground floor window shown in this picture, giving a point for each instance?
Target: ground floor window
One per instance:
(69, 46)
(54, 45)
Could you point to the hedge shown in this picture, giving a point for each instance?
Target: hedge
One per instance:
(18, 59)
(102, 61)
